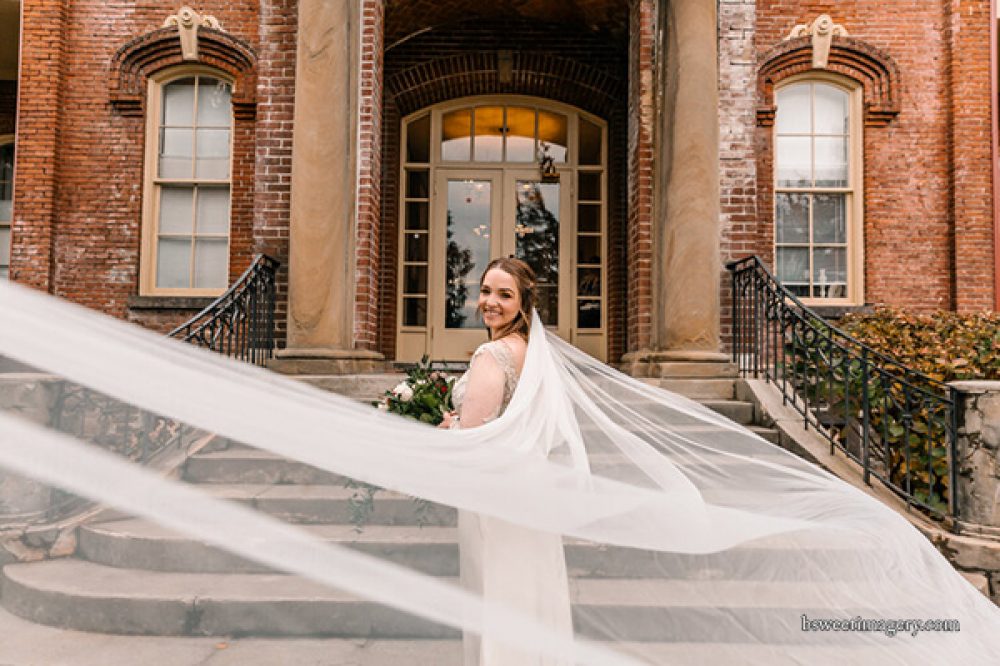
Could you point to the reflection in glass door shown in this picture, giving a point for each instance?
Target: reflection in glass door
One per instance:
(470, 214)
(536, 241)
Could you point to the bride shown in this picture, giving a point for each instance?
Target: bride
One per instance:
(522, 568)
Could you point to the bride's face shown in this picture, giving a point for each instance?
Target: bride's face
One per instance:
(499, 299)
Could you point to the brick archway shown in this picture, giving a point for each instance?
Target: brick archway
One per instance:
(485, 57)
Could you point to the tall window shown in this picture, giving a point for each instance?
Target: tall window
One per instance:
(818, 191)
(6, 202)
(186, 225)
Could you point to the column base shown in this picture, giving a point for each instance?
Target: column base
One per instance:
(328, 362)
(678, 364)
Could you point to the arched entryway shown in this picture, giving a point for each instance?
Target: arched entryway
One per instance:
(494, 176)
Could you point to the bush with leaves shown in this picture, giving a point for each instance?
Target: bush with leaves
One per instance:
(943, 345)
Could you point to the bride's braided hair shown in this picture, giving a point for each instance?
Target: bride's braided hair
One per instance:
(524, 278)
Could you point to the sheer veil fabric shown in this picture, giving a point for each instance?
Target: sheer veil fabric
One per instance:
(739, 541)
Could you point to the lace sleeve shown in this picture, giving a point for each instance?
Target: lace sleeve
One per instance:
(484, 392)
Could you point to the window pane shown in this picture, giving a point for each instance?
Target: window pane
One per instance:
(416, 247)
(214, 102)
(552, 131)
(176, 153)
(178, 103)
(793, 115)
(537, 241)
(547, 304)
(489, 134)
(831, 162)
(173, 263)
(175, 211)
(456, 129)
(588, 217)
(414, 312)
(794, 157)
(418, 140)
(588, 282)
(416, 215)
(588, 314)
(213, 210)
(213, 154)
(417, 184)
(588, 249)
(590, 187)
(415, 280)
(793, 264)
(590, 142)
(210, 259)
(5, 246)
(829, 265)
(830, 218)
(520, 134)
(6, 180)
(792, 215)
(831, 109)
(468, 248)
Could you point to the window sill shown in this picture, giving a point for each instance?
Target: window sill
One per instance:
(169, 302)
(836, 312)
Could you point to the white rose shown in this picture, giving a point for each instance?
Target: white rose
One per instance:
(383, 407)
(400, 387)
(406, 395)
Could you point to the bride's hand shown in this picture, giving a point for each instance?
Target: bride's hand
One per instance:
(448, 418)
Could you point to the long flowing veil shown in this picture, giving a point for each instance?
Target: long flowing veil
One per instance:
(688, 537)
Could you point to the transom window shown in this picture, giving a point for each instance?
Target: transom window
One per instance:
(188, 201)
(6, 202)
(817, 191)
(503, 134)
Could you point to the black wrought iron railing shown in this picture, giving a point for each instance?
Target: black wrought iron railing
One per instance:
(240, 323)
(898, 424)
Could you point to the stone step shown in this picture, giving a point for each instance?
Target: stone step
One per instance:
(330, 504)
(735, 410)
(140, 544)
(364, 388)
(80, 595)
(697, 389)
(257, 467)
(29, 643)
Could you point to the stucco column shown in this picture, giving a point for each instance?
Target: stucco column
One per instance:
(687, 276)
(323, 191)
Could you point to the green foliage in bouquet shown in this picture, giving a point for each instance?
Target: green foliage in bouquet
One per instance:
(425, 395)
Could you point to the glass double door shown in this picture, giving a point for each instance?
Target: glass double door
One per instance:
(482, 214)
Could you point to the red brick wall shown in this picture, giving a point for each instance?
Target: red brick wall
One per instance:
(928, 221)
(367, 265)
(275, 110)
(641, 116)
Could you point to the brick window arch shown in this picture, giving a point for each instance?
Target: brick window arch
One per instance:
(197, 165)
(811, 166)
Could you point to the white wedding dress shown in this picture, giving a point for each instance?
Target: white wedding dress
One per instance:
(505, 563)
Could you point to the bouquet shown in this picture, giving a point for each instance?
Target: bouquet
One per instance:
(425, 395)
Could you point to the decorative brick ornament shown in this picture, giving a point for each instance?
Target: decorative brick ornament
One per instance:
(822, 31)
(188, 21)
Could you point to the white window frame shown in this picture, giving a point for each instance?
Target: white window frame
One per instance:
(152, 185)
(854, 190)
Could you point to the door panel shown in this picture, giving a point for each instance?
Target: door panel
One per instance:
(469, 211)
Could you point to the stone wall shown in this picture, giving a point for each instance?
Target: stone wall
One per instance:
(979, 453)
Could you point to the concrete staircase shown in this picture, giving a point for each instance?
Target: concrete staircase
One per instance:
(130, 576)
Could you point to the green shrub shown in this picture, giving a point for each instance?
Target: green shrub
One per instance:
(944, 345)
